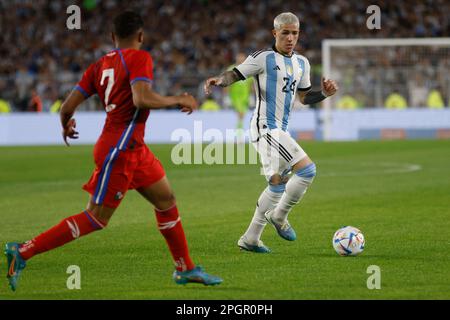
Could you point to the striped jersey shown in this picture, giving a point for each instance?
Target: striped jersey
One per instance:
(277, 80)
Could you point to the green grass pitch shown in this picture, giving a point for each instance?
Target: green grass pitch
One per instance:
(396, 192)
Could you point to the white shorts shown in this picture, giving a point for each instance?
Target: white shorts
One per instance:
(278, 152)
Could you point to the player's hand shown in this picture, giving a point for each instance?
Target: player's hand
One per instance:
(187, 103)
(215, 81)
(69, 131)
(329, 87)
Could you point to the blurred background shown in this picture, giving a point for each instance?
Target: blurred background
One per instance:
(190, 40)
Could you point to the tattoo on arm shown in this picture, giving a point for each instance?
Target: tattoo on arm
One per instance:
(313, 97)
(228, 77)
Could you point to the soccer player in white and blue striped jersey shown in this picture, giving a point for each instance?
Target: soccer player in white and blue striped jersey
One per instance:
(281, 76)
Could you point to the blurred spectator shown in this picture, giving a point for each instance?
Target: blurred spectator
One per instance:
(23, 83)
(435, 100)
(418, 91)
(4, 106)
(56, 106)
(347, 102)
(210, 105)
(35, 103)
(395, 101)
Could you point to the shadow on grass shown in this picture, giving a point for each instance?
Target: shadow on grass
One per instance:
(366, 256)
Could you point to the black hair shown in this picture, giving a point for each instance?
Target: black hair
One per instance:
(127, 23)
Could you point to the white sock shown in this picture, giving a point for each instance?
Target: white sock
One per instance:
(295, 189)
(267, 200)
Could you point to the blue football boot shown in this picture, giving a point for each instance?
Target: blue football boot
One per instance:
(259, 248)
(284, 229)
(196, 275)
(15, 264)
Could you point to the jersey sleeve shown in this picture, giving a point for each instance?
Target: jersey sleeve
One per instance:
(86, 84)
(140, 67)
(252, 66)
(305, 80)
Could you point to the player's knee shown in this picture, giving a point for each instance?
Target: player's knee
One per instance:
(275, 180)
(165, 201)
(170, 198)
(308, 172)
(277, 184)
(102, 219)
(101, 215)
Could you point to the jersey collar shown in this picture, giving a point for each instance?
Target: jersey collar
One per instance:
(285, 55)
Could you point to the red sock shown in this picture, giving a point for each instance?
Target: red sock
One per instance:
(67, 230)
(169, 225)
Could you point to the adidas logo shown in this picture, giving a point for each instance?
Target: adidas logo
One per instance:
(276, 68)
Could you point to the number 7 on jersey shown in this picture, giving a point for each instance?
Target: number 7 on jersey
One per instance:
(108, 73)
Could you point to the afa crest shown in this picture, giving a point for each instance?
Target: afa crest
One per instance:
(289, 70)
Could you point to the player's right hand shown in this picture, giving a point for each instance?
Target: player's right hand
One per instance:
(69, 131)
(187, 103)
(215, 81)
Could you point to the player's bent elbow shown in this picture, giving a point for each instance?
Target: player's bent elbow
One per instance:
(140, 106)
(139, 103)
(145, 102)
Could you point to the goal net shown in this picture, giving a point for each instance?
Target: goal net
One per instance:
(369, 71)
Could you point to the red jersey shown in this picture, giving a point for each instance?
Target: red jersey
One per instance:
(111, 78)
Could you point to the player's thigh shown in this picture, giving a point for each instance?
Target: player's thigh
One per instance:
(111, 179)
(278, 153)
(266, 156)
(298, 158)
(287, 145)
(160, 194)
(151, 182)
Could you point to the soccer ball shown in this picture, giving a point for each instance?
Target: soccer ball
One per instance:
(348, 241)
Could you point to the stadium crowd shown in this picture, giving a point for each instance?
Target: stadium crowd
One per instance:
(41, 60)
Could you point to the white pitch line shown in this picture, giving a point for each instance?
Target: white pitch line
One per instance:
(395, 168)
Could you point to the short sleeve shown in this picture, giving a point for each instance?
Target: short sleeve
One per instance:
(86, 84)
(140, 67)
(252, 66)
(305, 80)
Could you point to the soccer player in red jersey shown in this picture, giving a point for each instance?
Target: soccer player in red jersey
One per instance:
(122, 79)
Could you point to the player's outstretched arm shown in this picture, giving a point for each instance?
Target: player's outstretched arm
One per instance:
(68, 108)
(145, 98)
(329, 87)
(223, 80)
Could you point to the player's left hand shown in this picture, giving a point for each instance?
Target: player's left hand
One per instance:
(69, 131)
(329, 87)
